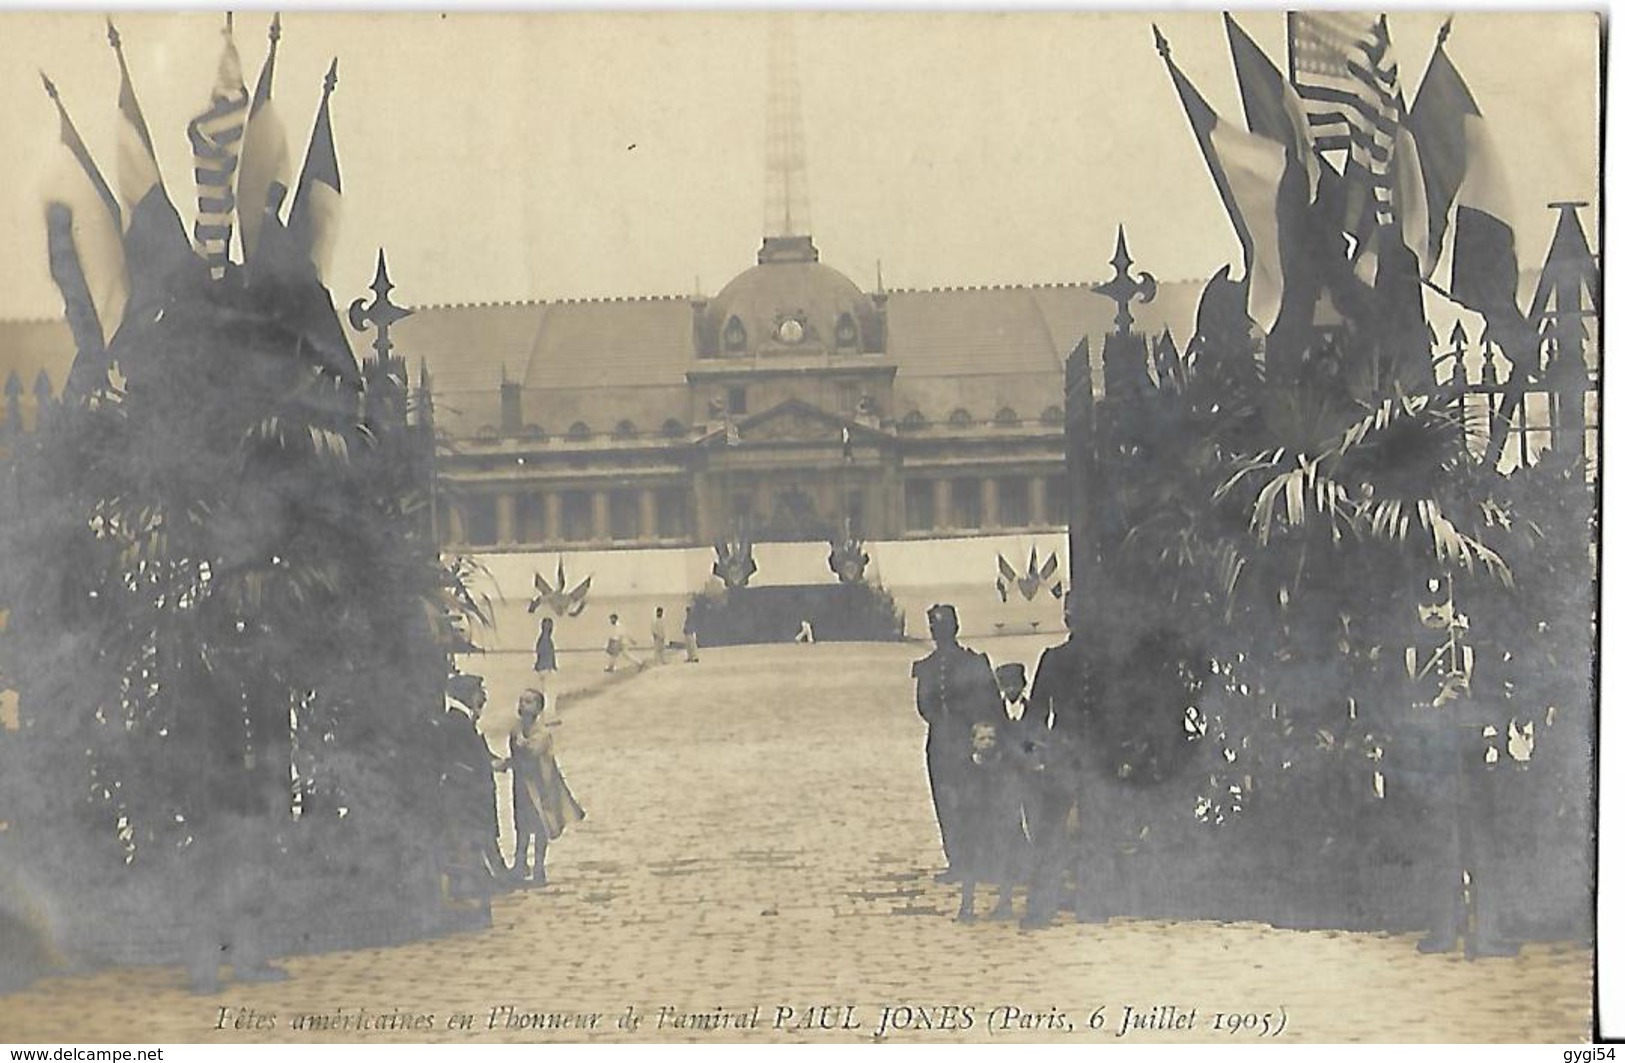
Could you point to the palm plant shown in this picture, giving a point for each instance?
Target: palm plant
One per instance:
(1277, 507)
(221, 597)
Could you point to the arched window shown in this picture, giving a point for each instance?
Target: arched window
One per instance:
(625, 430)
(579, 432)
(674, 429)
(1052, 415)
(846, 332)
(913, 420)
(533, 432)
(733, 335)
(1006, 417)
(486, 434)
(960, 418)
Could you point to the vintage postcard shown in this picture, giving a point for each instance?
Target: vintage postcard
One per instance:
(768, 527)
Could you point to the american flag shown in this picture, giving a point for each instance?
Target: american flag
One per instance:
(1343, 69)
(217, 143)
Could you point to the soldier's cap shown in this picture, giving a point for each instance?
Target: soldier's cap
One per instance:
(943, 612)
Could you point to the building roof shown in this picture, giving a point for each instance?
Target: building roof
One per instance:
(605, 343)
(942, 341)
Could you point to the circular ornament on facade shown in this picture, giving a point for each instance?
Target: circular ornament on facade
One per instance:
(790, 331)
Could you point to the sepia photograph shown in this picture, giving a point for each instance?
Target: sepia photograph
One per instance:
(781, 527)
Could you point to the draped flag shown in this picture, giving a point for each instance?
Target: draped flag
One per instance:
(85, 233)
(216, 136)
(314, 218)
(265, 158)
(1348, 81)
(1275, 110)
(1272, 105)
(1343, 66)
(155, 243)
(1248, 170)
(1460, 166)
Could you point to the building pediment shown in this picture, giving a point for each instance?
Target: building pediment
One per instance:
(792, 421)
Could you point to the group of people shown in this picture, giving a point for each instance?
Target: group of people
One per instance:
(618, 645)
(1006, 767)
(543, 806)
(1022, 795)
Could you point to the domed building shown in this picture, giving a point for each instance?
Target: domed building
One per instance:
(625, 438)
(791, 406)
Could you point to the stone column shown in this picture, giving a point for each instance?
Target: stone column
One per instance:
(990, 502)
(553, 516)
(600, 515)
(1036, 513)
(942, 498)
(506, 512)
(648, 525)
(705, 509)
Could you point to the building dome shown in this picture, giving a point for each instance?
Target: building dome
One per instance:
(790, 301)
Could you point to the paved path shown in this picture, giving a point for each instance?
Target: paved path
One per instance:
(759, 835)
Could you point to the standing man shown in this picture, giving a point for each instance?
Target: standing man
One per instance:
(1065, 696)
(691, 637)
(657, 634)
(1441, 762)
(469, 790)
(954, 689)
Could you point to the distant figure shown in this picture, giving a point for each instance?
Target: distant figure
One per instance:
(806, 632)
(547, 657)
(617, 645)
(657, 634)
(691, 637)
(954, 688)
(543, 805)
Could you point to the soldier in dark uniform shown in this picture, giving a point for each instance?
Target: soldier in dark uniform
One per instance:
(954, 689)
(1443, 769)
(1064, 693)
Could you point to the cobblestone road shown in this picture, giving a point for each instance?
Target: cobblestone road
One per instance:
(759, 834)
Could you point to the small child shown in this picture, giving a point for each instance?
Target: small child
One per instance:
(1012, 680)
(993, 839)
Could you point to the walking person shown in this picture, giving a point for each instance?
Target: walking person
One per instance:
(954, 689)
(691, 637)
(543, 805)
(657, 634)
(617, 645)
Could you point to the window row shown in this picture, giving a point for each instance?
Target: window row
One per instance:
(968, 502)
(961, 418)
(576, 516)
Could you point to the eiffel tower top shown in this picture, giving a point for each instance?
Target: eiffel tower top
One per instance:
(786, 212)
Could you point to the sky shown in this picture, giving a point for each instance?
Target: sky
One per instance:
(521, 156)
